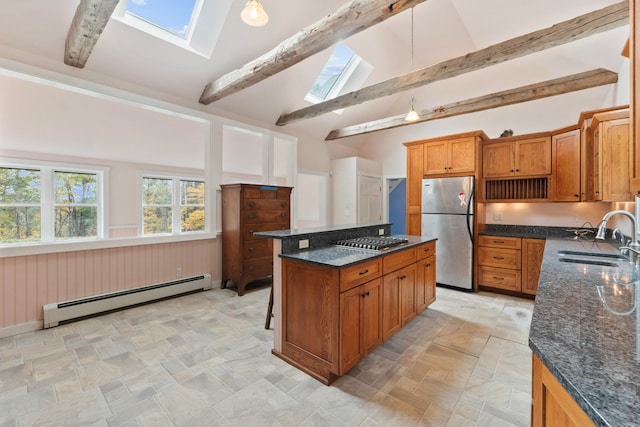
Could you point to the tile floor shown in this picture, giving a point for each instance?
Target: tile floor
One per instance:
(204, 360)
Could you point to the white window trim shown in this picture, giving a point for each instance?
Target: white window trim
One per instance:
(47, 200)
(175, 218)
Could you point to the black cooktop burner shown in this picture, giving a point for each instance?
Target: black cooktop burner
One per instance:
(373, 243)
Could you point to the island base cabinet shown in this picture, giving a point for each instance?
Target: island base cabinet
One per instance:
(552, 406)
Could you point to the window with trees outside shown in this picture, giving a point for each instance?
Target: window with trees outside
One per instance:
(47, 204)
(172, 205)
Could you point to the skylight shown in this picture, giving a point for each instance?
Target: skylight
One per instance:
(174, 16)
(344, 71)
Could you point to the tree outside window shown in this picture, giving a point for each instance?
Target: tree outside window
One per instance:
(75, 205)
(192, 206)
(157, 203)
(20, 205)
(170, 204)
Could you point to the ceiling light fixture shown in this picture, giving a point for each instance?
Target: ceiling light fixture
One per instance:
(412, 115)
(254, 14)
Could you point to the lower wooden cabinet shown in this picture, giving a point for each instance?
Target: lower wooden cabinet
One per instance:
(509, 263)
(333, 318)
(552, 406)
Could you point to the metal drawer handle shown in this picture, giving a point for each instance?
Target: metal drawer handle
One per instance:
(252, 204)
(498, 278)
(498, 241)
(251, 268)
(366, 294)
(403, 277)
(251, 249)
(427, 265)
(252, 216)
(498, 257)
(283, 215)
(283, 204)
(364, 272)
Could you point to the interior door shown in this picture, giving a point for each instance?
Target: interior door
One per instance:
(369, 199)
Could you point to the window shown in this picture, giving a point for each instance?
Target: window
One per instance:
(172, 203)
(344, 72)
(43, 203)
(170, 15)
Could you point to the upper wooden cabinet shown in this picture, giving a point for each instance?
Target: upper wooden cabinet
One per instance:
(519, 156)
(414, 188)
(456, 156)
(611, 148)
(566, 183)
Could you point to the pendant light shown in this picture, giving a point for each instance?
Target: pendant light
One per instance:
(254, 14)
(412, 115)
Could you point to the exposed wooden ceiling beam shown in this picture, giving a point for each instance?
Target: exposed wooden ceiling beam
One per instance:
(567, 31)
(88, 23)
(348, 20)
(576, 82)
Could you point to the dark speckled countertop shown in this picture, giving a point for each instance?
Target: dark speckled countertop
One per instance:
(340, 257)
(586, 329)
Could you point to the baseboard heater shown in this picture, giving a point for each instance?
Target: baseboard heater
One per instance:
(58, 312)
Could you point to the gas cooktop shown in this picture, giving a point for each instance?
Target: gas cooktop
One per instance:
(372, 243)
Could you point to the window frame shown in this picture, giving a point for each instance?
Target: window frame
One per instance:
(176, 203)
(47, 199)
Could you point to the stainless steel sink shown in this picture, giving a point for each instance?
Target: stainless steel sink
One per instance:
(592, 254)
(589, 262)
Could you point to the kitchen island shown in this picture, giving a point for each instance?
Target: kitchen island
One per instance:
(334, 304)
(585, 337)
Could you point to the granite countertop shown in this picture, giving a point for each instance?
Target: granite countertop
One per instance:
(340, 257)
(536, 231)
(586, 329)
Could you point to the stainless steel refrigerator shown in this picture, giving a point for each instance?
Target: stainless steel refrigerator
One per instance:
(447, 214)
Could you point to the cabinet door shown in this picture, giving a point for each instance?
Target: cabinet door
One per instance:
(391, 320)
(565, 185)
(532, 251)
(408, 294)
(615, 160)
(497, 160)
(462, 156)
(436, 158)
(425, 283)
(533, 156)
(350, 328)
(414, 188)
(371, 304)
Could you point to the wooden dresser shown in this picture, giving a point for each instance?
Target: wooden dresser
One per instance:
(247, 208)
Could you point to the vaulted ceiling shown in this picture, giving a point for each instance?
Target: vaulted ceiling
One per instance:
(34, 31)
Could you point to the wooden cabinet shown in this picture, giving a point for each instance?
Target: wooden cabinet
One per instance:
(611, 147)
(454, 156)
(360, 326)
(566, 181)
(552, 405)
(414, 189)
(248, 208)
(521, 156)
(509, 263)
(332, 318)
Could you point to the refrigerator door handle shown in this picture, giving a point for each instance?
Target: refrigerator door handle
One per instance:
(469, 216)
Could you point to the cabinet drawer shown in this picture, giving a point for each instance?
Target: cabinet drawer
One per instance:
(259, 267)
(259, 204)
(500, 242)
(266, 192)
(398, 260)
(499, 278)
(359, 274)
(255, 227)
(505, 258)
(257, 248)
(266, 216)
(426, 250)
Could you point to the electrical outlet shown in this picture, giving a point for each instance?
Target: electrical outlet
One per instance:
(497, 216)
(178, 273)
(303, 244)
(575, 218)
(381, 231)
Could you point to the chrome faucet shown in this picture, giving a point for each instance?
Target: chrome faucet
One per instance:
(602, 229)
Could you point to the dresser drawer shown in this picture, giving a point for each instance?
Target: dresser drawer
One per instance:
(249, 229)
(426, 250)
(266, 192)
(259, 216)
(499, 278)
(259, 267)
(505, 258)
(500, 242)
(360, 273)
(398, 260)
(257, 248)
(259, 204)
